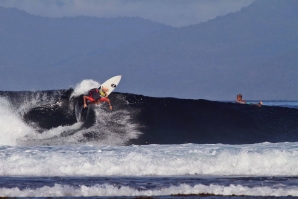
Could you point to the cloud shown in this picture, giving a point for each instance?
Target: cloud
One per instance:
(171, 12)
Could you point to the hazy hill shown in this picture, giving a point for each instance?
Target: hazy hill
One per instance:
(253, 52)
(33, 46)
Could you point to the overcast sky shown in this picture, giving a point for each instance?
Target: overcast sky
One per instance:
(176, 13)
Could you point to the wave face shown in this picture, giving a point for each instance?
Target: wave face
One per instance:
(53, 117)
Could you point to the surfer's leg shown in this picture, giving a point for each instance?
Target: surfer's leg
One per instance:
(84, 114)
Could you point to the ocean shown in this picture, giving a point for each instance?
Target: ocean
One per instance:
(147, 147)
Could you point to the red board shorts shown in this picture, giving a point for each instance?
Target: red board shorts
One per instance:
(102, 99)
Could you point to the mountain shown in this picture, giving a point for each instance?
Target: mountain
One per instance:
(33, 47)
(252, 51)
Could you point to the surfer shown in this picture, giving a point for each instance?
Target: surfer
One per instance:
(239, 100)
(258, 104)
(96, 96)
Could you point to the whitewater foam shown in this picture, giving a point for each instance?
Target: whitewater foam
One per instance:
(153, 160)
(55, 131)
(110, 190)
(12, 126)
(115, 127)
(84, 86)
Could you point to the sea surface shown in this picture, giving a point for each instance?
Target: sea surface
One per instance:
(146, 147)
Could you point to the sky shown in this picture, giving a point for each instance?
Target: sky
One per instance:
(176, 13)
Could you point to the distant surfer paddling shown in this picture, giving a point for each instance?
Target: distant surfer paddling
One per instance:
(239, 100)
(96, 96)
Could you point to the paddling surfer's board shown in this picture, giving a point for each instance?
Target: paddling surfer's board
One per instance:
(112, 83)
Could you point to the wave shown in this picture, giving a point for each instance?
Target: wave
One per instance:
(266, 159)
(183, 190)
(53, 117)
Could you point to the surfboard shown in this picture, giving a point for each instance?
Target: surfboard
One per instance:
(112, 83)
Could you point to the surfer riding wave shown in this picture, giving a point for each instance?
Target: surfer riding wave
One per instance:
(96, 96)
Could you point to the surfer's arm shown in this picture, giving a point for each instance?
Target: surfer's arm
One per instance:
(85, 104)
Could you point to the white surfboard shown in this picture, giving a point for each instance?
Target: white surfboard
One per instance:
(112, 83)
